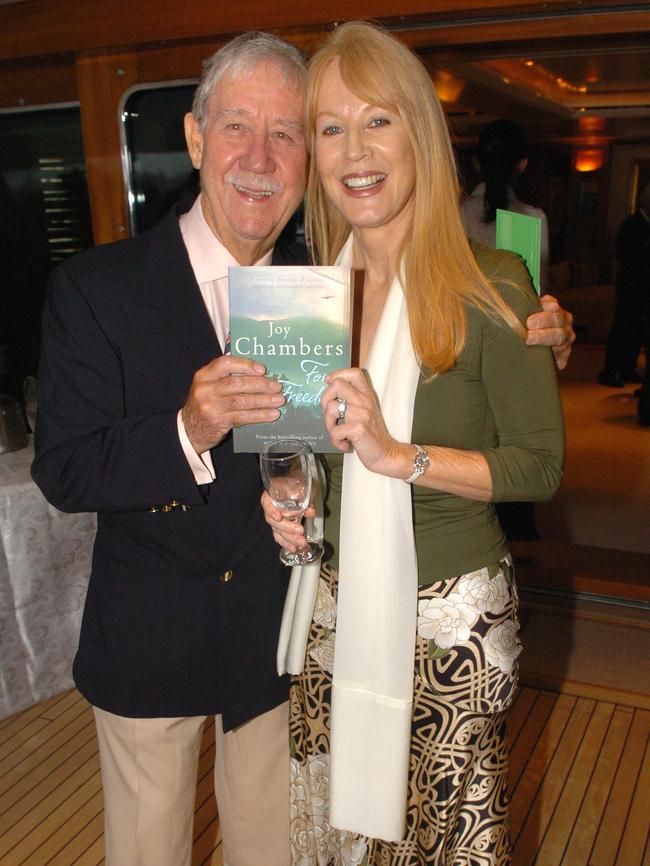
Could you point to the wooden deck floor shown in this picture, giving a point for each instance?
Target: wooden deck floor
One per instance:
(580, 776)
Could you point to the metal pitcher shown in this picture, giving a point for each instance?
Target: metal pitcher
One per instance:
(13, 435)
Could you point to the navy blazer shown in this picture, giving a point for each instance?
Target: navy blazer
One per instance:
(183, 607)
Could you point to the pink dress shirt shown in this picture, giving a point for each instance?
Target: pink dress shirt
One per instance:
(210, 261)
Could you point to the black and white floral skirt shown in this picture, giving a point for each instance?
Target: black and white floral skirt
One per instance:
(464, 680)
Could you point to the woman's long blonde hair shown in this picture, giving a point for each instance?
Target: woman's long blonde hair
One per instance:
(440, 270)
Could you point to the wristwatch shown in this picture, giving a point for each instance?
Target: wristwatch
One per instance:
(421, 463)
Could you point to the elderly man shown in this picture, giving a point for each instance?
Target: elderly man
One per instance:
(137, 399)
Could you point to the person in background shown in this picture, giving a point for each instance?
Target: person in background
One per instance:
(626, 334)
(644, 391)
(502, 159)
(398, 722)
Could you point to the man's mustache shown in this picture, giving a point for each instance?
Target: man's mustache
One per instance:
(254, 183)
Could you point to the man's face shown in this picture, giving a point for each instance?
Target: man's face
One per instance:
(252, 159)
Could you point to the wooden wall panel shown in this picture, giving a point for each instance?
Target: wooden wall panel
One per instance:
(46, 26)
(174, 61)
(64, 50)
(102, 81)
(184, 59)
(527, 29)
(39, 81)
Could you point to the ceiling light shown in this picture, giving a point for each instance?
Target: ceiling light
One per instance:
(588, 159)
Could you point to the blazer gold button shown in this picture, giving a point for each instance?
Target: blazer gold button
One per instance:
(226, 576)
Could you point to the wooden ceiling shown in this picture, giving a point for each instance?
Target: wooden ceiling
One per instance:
(42, 27)
(549, 61)
(553, 80)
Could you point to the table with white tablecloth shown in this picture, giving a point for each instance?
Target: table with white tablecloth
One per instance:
(45, 559)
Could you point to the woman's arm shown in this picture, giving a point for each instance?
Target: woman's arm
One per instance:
(464, 473)
(521, 390)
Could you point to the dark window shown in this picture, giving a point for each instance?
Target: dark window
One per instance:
(159, 171)
(44, 217)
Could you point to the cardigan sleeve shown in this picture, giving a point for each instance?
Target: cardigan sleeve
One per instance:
(521, 388)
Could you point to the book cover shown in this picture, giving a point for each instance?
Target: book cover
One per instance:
(296, 320)
(521, 234)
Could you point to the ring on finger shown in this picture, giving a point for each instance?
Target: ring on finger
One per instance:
(342, 404)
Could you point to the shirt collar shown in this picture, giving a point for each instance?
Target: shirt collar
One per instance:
(209, 258)
(479, 191)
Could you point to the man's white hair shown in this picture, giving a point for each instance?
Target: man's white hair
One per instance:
(239, 57)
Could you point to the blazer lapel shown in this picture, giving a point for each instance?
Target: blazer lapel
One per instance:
(178, 325)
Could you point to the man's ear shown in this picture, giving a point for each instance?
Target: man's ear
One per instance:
(194, 139)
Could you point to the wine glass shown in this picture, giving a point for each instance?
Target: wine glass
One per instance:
(286, 473)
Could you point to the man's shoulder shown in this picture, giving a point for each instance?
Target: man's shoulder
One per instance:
(129, 253)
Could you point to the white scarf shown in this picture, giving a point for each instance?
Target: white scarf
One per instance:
(302, 591)
(372, 691)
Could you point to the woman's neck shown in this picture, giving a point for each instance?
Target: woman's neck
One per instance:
(377, 255)
(376, 252)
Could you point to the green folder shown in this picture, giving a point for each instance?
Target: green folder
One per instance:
(522, 235)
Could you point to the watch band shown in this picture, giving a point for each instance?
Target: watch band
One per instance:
(421, 463)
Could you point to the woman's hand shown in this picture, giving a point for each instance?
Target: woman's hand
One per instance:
(289, 534)
(362, 426)
(451, 470)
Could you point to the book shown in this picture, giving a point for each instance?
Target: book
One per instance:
(296, 320)
(521, 234)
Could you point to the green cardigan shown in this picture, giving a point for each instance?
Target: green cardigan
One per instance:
(501, 399)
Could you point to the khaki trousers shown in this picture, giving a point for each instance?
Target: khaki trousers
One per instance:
(149, 770)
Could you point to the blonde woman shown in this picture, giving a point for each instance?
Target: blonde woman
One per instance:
(398, 720)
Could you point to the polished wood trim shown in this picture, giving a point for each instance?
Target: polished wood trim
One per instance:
(579, 779)
(543, 27)
(174, 61)
(48, 26)
(51, 807)
(595, 798)
(630, 783)
(58, 52)
(38, 81)
(601, 693)
(102, 81)
(581, 568)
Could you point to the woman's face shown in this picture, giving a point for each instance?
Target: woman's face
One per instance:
(364, 158)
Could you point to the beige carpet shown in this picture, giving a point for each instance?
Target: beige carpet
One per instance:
(604, 500)
(593, 644)
(595, 540)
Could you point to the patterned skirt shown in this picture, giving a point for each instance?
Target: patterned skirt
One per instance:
(464, 680)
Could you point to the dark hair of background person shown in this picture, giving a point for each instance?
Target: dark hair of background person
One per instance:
(501, 147)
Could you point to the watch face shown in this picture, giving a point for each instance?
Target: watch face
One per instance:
(421, 461)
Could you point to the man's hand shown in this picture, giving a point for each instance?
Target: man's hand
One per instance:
(553, 326)
(288, 533)
(227, 393)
